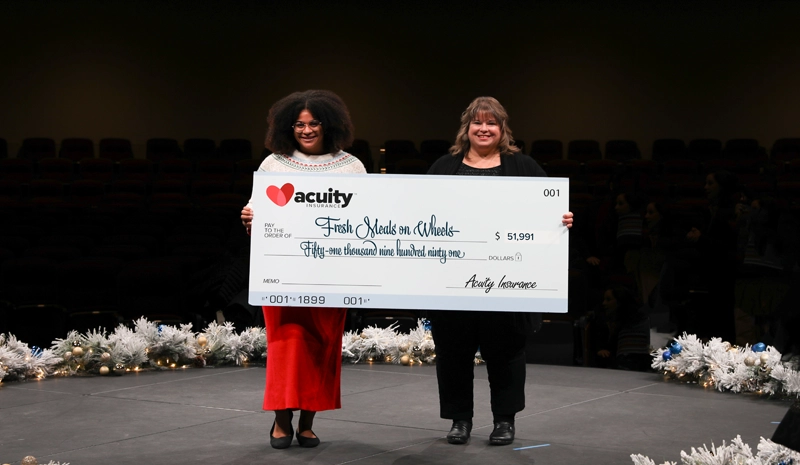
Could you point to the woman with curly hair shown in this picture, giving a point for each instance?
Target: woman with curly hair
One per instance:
(306, 133)
(483, 147)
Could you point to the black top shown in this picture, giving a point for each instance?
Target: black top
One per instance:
(510, 165)
(466, 170)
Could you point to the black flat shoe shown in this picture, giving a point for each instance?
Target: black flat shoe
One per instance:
(307, 442)
(459, 432)
(502, 434)
(280, 443)
(284, 442)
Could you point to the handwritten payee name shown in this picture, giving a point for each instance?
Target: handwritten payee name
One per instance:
(372, 228)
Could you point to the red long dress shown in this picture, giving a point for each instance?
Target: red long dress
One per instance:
(304, 345)
(304, 358)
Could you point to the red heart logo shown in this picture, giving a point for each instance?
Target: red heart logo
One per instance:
(280, 196)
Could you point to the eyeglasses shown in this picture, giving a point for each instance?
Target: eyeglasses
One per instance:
(300, 126)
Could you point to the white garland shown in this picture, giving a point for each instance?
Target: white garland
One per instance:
(728, 368)
(736, 453)
(151, 346)
(18, 361)
(387, 345)
(224, 345)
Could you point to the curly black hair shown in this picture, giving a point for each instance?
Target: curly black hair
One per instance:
(327, 107)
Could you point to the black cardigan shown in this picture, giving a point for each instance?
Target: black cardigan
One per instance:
(510, 165)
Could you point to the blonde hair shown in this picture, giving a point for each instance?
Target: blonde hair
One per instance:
(491, 106)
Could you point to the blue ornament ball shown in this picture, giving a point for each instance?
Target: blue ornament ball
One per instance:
(160, 328)
(759, 347)
(675, 348)
(666, 355)
(426, 324)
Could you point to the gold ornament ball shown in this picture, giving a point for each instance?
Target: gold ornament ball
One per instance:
(76, 343)
(104, 370)
(363, 336)
(749, 361)
(202, 340)
(67, 355)
(405, 359)
(77, 351)
(29, 460)
(105, 357)
(764, 358)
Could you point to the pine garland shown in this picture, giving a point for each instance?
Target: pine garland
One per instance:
(735, 453)
(756, 369)
(386, 345)
(151, 346)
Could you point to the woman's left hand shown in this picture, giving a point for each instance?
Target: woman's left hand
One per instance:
(566, 220)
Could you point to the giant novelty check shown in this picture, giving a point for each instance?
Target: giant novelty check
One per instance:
(409, 242)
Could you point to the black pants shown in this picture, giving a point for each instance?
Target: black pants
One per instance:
(457, 336)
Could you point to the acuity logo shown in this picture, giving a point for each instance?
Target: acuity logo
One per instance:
(281, 196)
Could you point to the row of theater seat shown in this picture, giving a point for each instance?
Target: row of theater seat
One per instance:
(104, 169)
(76, 149)
(543, 150)
(180, 168)
(91, 178)
(64, 267)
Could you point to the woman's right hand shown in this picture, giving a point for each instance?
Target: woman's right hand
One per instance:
(247, 219)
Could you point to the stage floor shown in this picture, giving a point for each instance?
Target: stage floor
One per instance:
(390, 415)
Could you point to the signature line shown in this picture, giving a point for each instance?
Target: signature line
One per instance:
(327, 284)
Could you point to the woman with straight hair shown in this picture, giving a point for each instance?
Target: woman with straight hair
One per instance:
(483, 147)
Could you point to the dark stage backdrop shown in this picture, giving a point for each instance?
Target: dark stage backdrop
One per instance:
(565, 70)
